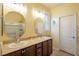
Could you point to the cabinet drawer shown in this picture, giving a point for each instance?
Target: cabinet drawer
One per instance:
(39, 45)
(29, 51)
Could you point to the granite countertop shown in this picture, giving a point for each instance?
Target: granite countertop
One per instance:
(30, 42)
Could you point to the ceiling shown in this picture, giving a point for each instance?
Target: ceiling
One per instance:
(52, 5)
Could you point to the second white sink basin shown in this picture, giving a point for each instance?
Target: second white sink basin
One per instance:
(17, 45)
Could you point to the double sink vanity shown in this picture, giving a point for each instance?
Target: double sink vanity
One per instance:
(39, 46)
(15, 27)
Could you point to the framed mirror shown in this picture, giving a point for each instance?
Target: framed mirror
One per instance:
(14, 25)
(39, 27)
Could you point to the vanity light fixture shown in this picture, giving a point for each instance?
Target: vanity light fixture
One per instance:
(37, 14)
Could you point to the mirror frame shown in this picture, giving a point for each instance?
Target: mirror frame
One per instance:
(18, 22)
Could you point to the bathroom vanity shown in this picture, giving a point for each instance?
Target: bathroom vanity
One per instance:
(40, 46)
(17, 29)
(14, 30)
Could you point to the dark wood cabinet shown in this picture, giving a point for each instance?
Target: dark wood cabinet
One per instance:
(16, 53)
(39, 52)
(45, 48)
(50, 47)
(29, 51)
(40, 49)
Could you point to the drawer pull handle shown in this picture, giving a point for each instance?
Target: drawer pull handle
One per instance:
(23, 51)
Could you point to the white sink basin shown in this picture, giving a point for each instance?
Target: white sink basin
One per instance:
(17, 45)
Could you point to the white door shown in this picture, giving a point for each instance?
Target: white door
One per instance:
(68, 34)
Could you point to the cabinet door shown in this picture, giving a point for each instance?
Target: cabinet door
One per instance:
(49, 46)
(29, 51)
(16, 53)
(39, 49)
(39, 52)
(45, 48)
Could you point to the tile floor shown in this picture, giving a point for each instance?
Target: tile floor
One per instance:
(60, 53)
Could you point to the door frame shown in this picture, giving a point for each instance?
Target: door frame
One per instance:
(75, 15)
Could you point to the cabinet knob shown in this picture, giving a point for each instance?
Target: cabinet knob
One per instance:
(39, 50)
(23, 51)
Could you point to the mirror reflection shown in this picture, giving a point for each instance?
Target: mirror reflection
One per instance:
(14, 25)
(39, 26)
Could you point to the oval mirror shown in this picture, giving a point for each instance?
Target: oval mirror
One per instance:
(39, 26)
(14, 25)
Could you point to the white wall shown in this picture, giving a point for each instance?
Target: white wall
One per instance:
(55, 31)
